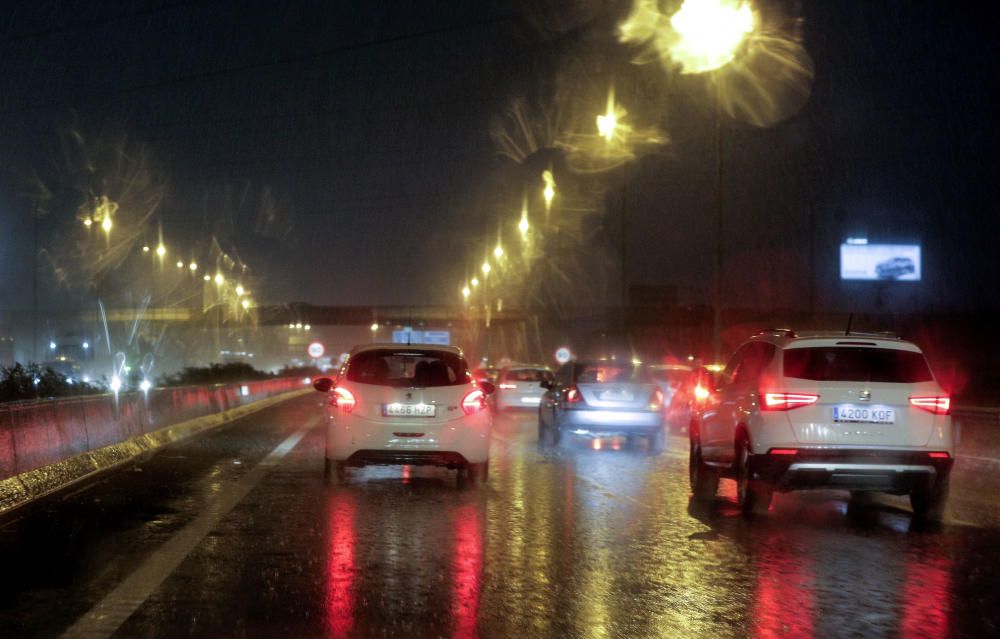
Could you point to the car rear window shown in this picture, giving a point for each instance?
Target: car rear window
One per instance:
(856, 364)
(610, 373)
(527, 375)
(673, 376)
(411, 368)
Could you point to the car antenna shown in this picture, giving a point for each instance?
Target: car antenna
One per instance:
(850, 320)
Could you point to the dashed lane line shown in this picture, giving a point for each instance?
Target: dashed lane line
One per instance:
(110, 613)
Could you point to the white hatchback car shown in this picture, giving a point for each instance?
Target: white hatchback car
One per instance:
(521, 387)
(407, 404)
(857, 412)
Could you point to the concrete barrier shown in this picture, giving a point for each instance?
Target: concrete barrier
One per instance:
(41, 433)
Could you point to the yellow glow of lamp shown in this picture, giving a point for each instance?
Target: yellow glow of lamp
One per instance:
(474, 282)
(466, 292)
(374, 326)
(219, 279)
(498, 252)
(245, 304)
(161, 250)
(608, 122)
(106, 224)
(87, 222)
(239, 289)
(180, 264)
(193, 266)
(549, 192)
(524, 225)
(709, 33)
(486, 268)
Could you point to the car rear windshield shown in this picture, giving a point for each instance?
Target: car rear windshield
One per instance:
(856, 364)
(611, 373)
(527, 375)
(411, 368)
(673, 376)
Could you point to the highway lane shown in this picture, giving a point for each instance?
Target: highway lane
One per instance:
(235, 534)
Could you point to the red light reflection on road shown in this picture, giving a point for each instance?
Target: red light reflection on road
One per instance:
(925, 597)
(340, 570)
(466, 569)
(785, 600)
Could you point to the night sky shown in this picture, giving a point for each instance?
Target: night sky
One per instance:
(343, 150)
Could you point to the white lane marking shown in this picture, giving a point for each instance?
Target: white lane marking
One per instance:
(110, 613)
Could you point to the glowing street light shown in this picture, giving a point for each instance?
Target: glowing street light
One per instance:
(474, 282)
(180, 264)
(207, 278)
(106, 224)
(245, 304)
(239, 290)
(498, 251)
(219, 279)
(607, 123)
(549, 192)
(161, 250)
(193, 266)
(307, 327)
(524, 225)
(486, 268)
(709, 33)
(466, 292)
(145, 249)
(374, 327)
(88, 222)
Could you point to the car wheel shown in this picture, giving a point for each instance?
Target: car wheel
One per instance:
(334, 471)
(704, 479)
(929, 501)
(753, 495)
(657, 442)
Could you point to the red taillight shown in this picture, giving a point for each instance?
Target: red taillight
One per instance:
(787, 401)
(700, 393)
(936, 405)
(474, 400)
(344, 399)
(508, 386)
(573, 395)
(657, 402)
(938, 455)
(784, 451)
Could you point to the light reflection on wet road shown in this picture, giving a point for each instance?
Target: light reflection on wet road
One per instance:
(576, 543)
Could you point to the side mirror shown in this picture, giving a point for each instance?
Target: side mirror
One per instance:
(487, 387)
(323, 384)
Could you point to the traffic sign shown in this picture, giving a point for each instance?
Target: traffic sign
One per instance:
(316, 350)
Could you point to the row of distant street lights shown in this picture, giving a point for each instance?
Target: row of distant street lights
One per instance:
(701, 36)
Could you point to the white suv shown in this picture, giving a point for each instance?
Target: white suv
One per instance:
(407, 404)
(857, 412)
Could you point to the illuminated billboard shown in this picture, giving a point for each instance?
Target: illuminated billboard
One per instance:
(888, 262)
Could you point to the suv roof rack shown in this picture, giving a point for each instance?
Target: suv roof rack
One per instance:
(778, 332)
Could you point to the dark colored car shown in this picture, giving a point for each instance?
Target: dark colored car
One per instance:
(895, 268)
(690, 397)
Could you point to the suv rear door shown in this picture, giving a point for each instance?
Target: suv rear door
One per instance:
(864, 390)
(734, 399)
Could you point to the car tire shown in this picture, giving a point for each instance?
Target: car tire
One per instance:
(334, 471)
(752, 495)
(473, 474)
(657, 442)
(704, 478)
(929, 501)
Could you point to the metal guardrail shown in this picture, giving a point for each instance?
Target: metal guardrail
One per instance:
(984, 413)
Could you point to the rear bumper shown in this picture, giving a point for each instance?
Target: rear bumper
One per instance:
(598, 422)
(514, 400)
(450, 459)
(851, 469)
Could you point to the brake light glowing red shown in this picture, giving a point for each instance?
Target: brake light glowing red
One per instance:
(344, 399)
(938, 455)
(573, 395)
(784, 451)
(701, 393)
(508, 386)
(936, 404)
(473, 401)
(788, 401)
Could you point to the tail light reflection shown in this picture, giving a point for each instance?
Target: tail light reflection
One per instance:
(341, 565)
(467, 568)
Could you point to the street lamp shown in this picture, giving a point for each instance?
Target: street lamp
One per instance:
(474, 281)
(486, 268)
(374, 329)
(710, 33)
(549, 192)
(161, 250)
(498, 251)
(193, 266)
(466, 292)
(219, 279)
(239, 290)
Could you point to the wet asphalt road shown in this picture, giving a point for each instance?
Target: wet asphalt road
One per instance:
(224, 537)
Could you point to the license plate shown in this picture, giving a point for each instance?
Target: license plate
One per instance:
(531, 400)
(409, 410)
(864, 414)
(617, 396)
